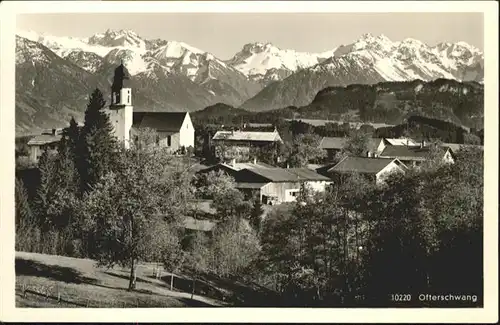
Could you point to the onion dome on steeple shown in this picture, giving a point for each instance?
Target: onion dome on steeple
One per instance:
(121, 78)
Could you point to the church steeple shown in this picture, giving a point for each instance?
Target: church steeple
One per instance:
(121, 93)
(121, 110)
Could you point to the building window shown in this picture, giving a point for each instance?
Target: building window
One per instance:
(169, 141)
(129, 99)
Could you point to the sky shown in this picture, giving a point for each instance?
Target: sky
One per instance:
(224, 34)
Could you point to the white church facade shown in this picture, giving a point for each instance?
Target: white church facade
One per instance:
(175, 130)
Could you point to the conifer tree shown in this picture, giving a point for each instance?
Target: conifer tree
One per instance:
(97, 146)
(72, 134)
(46, 188)
(23, 210)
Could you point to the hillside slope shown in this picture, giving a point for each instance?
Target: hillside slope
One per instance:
(42, 278)
(461, 103)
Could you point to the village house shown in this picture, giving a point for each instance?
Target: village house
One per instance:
(232, 167)
(272, 185)
(416, 155)
(333, 145)
(238, 144)
(175, 131)
(401, 142)
(48, 140)
(456, 147)
(374, 169)
(278, 185)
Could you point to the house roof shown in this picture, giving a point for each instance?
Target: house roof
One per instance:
(361, 165)
(332, 142)
(401, 142)
(247, 136)
(160, 121)
(44, 139)
(455, 147)
(244, 185)
(415, 153)
(204, 206)
(288, 175)
(236, 166)
(308, 174)
(248, 165)
(338, 143)
(259, 125)
(199, 225)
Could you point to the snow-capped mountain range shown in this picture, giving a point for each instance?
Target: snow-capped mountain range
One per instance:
(396, 61)
(173, 75)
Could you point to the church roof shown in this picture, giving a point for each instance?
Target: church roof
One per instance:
(121, 78)
(160, 121)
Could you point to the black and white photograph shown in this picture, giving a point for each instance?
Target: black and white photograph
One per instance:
(284, 160)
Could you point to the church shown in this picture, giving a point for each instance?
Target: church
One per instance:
(175, 130)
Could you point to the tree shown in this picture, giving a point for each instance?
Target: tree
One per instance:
(270, 153)
(145, 138)
(126, 205)
(162, 239)
(235, 246)
(46, 188)
(213, 183)
(231, 204)
(304, 148)
(97, 146)
(425, 232)
(470, 138)
(199, 258)
(357, 144)
(66, 175)
(72, 134)
(256, 214)
(318, 256)
(23, 210)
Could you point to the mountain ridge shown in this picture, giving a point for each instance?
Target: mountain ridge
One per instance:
(175, 76)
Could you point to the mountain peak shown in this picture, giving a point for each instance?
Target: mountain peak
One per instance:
(114, 38)
(257, 47)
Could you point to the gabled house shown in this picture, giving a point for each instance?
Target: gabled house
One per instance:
(271, 184)
(239, 143)
(233, 167)
(456, 147)
(414, 156)
(374, 169)
(333, 145)
(48, 140)
(174, 130)
(279, 185)
(403, 142)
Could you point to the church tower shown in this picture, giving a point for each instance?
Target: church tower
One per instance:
(121, 109)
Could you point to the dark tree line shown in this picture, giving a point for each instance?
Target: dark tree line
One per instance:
(359, 243)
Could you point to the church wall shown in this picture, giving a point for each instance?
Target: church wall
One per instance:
(121, 119)
(187, 133)
(174, 140)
